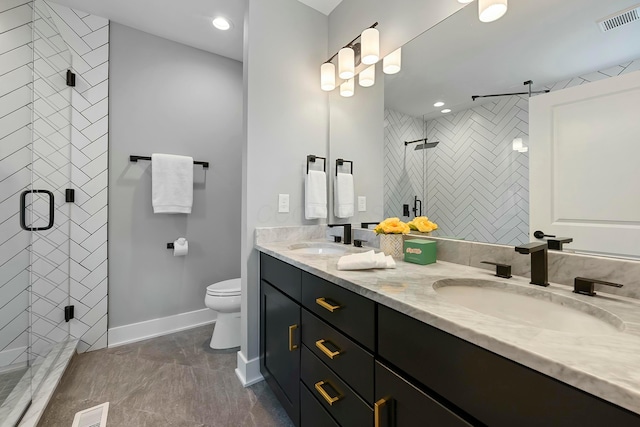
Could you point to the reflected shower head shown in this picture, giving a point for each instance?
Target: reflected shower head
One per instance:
(426, 145)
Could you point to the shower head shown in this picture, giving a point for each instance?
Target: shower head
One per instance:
(426, 145)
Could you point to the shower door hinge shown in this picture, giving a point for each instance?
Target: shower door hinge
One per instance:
(71, 78)
(70, 195)
(69, 313)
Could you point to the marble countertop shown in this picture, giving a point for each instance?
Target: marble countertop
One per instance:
(607, 366)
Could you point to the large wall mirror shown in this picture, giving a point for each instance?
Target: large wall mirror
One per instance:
(474, 173)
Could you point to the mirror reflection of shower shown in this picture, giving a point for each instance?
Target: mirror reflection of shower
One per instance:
(421, 145)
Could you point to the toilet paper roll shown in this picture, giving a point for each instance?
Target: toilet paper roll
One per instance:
(180, 247)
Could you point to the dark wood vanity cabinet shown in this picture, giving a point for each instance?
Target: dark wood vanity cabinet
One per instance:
(280, 338)
(336, 358)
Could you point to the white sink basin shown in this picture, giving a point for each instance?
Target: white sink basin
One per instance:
(529, 306)
(318, 249)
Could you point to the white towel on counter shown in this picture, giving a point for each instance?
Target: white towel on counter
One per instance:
(171, 183)
(343, 196)
(366, 261)
(315, 195)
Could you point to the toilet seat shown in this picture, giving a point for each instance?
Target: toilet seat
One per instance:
(225, 288)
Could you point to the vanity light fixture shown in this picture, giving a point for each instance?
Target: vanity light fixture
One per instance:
(346, 63)
(366, 51)
(221, 23)
(370, 46)
(446, 110)
(523, 150)
(491, 10)
(347, 89)
(465, 1)
(392, 63)
(438, 104)
(367, 77)
(328, 76)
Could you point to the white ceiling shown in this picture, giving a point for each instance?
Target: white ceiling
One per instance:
(324, 6)
(547, 41)
(183, 21)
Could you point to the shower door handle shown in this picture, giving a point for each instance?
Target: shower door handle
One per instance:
(23, 210)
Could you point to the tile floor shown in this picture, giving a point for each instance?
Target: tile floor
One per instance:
(8, 380)
(175, 380)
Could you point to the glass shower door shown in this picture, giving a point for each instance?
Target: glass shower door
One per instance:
(35, 171)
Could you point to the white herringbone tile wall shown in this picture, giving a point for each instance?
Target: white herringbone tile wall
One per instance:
(15, 175)
(477, 187)
(88, 39)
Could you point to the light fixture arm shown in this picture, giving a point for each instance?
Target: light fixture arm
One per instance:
(527, 83)
(350, 44)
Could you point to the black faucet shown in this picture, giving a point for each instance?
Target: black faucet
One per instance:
(539, 262)
(417, 211)
(582, 285)
(346, 235)
(555, 243)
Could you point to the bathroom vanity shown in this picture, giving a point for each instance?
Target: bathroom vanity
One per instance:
(384, 348)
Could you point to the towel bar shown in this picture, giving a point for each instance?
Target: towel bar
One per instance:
(312, 159)
(135, 159)
(340, 162)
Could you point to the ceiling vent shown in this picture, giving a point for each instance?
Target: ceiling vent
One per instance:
(619, 19)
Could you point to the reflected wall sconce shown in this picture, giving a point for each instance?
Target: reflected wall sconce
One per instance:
(392, 63)
(489, 10)
(518, 145)
(364, 49)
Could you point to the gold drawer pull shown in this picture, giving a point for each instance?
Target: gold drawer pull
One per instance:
(330, 400)
(292, 346)
(324, 304)
(325, 350)
(376, 409)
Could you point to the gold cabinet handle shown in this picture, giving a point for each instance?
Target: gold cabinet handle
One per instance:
(324, 304)
(292, 346)
(376, 409)
(325, 350)
(330, 400)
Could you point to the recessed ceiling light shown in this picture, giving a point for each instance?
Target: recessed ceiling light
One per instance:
(438, 104)
(221, 23)
(446, 110)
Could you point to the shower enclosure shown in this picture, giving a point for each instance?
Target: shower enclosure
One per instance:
(35, 172)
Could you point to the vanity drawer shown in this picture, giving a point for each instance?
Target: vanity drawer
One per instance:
(349, 312)
(281, 275)
(346, 358)
(496, 391)
(401, 404)
(312, 414)
(333, 394)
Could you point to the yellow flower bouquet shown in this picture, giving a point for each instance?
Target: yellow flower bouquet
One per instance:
(392, 226)
(422, 224)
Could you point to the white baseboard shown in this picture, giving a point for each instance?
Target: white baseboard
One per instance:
(15, 358)
(248, 372)
(157, 327)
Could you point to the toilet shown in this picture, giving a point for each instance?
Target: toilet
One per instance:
(224, 298)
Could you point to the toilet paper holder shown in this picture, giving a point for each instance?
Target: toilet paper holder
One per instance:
(170, 245)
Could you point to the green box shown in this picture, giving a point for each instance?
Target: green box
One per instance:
(420, 251)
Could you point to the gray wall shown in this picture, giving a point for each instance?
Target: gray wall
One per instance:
(357, 134)
(286, 118)
(170, 98)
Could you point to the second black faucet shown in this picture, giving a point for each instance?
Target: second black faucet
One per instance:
(346, 235)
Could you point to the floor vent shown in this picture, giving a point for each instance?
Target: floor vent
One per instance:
(92, 417)
(619, 19)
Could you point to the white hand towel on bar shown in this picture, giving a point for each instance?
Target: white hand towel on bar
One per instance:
(343, 196)
(315, 195)
(171, 183)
